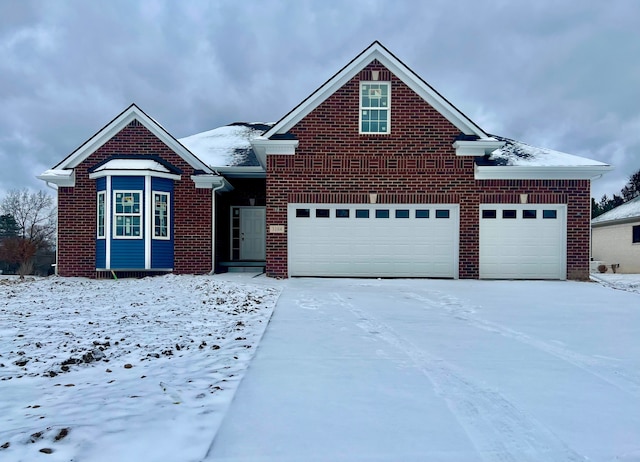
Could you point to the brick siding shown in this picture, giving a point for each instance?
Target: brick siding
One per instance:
(77, 209)
(414, 164)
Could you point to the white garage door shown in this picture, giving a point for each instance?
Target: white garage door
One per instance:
(379, 240)
(525, 241)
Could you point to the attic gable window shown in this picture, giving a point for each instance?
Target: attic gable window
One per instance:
(375, 107)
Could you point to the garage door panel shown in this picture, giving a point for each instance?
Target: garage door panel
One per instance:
(393, 247)
(523, 248)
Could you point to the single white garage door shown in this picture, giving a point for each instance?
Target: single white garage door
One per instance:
(373, 240)
(523, 241)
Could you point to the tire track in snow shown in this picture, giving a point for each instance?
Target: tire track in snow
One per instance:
(498, 429)
(601, 367)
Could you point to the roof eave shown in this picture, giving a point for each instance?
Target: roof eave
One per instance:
(477, 148)
(263, 146)
(212, 181)
(615, 221)
(242, 172)
(521, 172)
(61, 178)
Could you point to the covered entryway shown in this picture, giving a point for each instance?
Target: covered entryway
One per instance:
(373, 240)
(248, 233)
(523, 241)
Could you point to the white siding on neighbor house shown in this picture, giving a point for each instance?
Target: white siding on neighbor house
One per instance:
(613, 245)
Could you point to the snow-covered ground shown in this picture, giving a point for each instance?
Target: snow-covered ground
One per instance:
(628, 282)
(127, 370)
(145, 370)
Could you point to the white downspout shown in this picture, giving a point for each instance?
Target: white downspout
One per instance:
(55, 270)
(213, 226)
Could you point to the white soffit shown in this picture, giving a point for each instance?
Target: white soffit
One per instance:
(517, 172)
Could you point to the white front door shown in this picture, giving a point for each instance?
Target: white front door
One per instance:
(253, 233)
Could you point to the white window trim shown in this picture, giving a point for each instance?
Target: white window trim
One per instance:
(168, 215)
(139, 214)
(103, 195)
(387, 108)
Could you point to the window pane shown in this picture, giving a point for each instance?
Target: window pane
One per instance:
(636, 234)
(549, 214)
(161, 215)
(101, 211)
(508, 214)
(528, 214)
(382, 214)
(488, 214)
(402, 214)
(322, 213)
(302, 213)
(442, 214)
(422, 213)
(362, 213)
(342, 213)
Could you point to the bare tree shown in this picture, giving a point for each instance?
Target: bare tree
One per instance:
(34, 215)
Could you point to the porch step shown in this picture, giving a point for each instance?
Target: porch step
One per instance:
(245, 266)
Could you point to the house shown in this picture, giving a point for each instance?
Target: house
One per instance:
(375, 174)
(615, 237)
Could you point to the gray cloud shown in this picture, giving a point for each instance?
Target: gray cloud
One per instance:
(562, 75)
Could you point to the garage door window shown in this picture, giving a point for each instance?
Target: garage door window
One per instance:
(342, 213)
(362, 213)
(549, 214)
(529, 214)
(382, 213)
(302, 213)
(489, 214)
(422, 213)
(508, 214)
(322, 213)
(402, 214)
(442, 214)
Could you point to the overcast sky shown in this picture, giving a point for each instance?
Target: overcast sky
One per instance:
(559, 74)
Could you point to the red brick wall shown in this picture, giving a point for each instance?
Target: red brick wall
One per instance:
(415, 163)
(77, 209)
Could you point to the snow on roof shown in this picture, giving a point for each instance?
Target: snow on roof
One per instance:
(228, 146)
(521, 154)
(133, 164)
(624, 211)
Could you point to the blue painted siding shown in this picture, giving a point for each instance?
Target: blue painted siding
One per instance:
(101, 252)
(127, 253)
(162, 250)
(161, 254)
(127, 182)
(162, 184)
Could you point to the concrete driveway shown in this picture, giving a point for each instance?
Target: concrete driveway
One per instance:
(441, 370)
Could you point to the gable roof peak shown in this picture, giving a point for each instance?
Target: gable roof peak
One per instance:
(377, 51)
(131, 113)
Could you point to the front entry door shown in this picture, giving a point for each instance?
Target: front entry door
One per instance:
(253, 233)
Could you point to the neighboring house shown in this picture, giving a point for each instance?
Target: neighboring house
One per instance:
(374, 174)
(615, 237)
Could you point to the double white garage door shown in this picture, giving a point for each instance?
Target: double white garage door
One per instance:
(401, 240)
